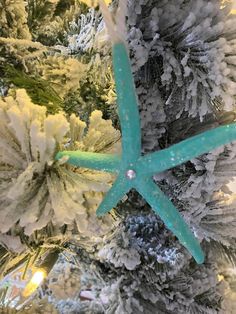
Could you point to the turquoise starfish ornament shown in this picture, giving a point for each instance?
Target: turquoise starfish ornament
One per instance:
(136, 171)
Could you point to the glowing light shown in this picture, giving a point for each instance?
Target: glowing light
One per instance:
(34, 282)
(220, 278)
(38, 277)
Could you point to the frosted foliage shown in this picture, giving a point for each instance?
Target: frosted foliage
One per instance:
(64, 73)
(152, 117)
(192, 42)
(53, 25)
(23, 50)
(120, 254)
(208, 206)
(86, 33)
(195, 291)
(34, 189)
(64, 281)
(219, 220)
(13, 243)
(74, 307)
(67, 306)
(229, 302)
(165, 281)
(145, 233)
(39, 306)
(116, 301)
(13, 18)
(198, 184)
(139, 47)
(225, 166)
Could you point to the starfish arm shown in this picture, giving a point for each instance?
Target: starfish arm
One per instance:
(171, 217)
(186, 150)
(95, 161)
(120, 187)
(127, 103)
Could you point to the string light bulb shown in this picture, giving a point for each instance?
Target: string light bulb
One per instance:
(220, 277)
(34, 282)
(40, 273)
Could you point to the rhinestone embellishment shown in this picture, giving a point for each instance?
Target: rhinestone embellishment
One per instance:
(130, 174)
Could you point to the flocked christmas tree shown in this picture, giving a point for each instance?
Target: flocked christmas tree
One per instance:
(58, 93)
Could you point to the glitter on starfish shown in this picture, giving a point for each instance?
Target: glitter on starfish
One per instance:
(134, 170)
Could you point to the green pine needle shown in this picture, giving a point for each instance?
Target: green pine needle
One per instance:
(38, 89)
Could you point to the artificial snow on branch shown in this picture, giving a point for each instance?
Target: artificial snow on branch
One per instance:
(192, 48)
(64, 281)
(39, 306)
(23, 50)
(63, 73)
(13, 18)
(35, 190)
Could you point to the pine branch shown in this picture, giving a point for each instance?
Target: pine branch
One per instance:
(39, 90)
(223, 253)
